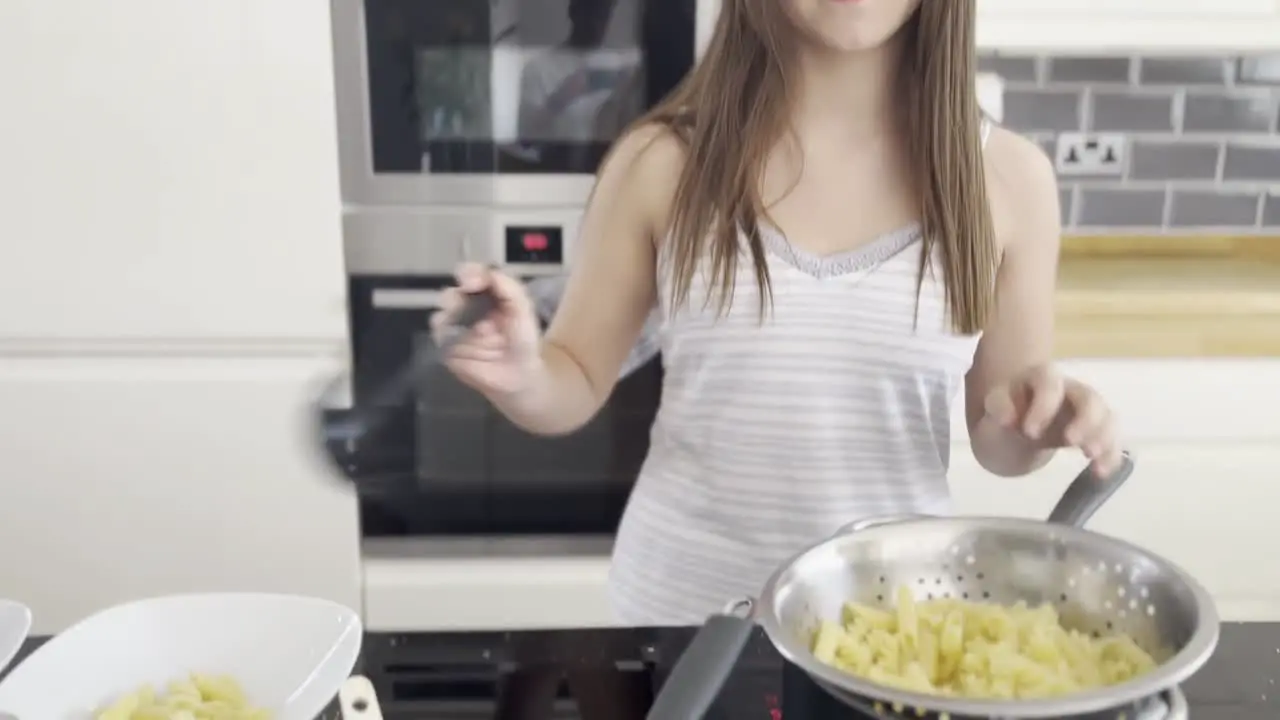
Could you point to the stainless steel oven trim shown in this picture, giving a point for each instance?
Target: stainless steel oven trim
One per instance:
(406, 299)
(432, 241)
(362, 187)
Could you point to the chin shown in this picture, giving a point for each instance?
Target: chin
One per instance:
(851, 25)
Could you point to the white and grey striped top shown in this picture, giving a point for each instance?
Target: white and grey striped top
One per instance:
(771, 436)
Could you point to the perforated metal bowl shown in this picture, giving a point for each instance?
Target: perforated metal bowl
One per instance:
(1099, 584)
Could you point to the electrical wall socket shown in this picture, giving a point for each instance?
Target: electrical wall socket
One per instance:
(1090, 154)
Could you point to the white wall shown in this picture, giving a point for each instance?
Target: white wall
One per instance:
(171, 293)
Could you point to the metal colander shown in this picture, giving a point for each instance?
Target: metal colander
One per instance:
(1098, 584)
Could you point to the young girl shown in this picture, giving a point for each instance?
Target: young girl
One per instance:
(837, 241)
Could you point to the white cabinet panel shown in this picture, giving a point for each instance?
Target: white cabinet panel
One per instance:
(1092, 26)
(1123, 8)
(124, 478)
(170, 170)
(1211, 508)
(1196, 400)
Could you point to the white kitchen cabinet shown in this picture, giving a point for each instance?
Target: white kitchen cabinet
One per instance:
(1119, 25)
(1101, 26)
(1206, 438)
(1130, 8)
(1205, 494)
(129, 477)
(170, 170)
(1210, 508)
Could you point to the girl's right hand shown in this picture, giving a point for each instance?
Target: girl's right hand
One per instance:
(500, 355)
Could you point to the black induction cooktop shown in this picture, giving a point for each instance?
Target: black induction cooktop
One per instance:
(611, 674)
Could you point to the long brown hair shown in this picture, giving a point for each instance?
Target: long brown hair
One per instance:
(732, 109)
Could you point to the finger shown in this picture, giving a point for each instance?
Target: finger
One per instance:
(1105, 456)
(1095, 443)
(1090, 415)
(436, 322)
(450, 299)
(1110, 461)
(511, 293)
(1102, 447)
(488, 339)
(1047, 394)
(486, 331)
(442, 318)
(1000, 407)
(472, 277)
(476, 353)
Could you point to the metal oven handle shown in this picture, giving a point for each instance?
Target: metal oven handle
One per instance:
(366, 418)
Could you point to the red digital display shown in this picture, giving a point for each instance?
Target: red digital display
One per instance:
(534, 241)
(534, 244)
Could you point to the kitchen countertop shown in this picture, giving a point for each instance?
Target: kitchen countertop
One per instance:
(1169, 296)
(433, 676)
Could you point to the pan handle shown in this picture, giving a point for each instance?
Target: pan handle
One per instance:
(700, 673)
(1088, 492)
(358, 700)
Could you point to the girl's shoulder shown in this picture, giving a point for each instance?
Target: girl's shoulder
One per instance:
(646, 164)
(1022, 186)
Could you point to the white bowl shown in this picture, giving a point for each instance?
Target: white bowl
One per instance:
(290, 654)
(15, 623)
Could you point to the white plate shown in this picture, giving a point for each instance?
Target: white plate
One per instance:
(15, 623)
(290, 654)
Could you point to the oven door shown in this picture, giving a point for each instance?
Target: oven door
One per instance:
(447, 463)
(498, 102)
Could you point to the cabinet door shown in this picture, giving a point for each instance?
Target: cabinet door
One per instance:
(170, 170)
(1122, 8)
(1180, 400)
(1110, 26)
(1210, 507)
(125, 478)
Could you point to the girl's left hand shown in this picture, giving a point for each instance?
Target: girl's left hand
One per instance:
(1054, 412)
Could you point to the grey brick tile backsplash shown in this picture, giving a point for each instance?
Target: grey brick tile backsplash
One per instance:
(1090, 69)
(1171, 160)
(1259, 71)
(1117, 110)
(1205, 208)
(1252, 161)
(1254, 111)
(1185, 71)
(1066, 202)
(1119, 207)
(1271, 211)
(1012, 69)
(1202, 136)
(1041, 110)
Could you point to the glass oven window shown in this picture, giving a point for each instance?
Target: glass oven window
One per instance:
(516, 86)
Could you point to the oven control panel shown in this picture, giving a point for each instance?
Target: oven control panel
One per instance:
(431, 242)
(533, 245)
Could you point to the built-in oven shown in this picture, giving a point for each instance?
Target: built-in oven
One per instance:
(498, 102)
(444, 463)
(472, 130)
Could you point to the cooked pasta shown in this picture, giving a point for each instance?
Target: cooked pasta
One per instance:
(201, 697)
(975, 650)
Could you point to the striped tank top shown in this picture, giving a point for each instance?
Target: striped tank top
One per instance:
(771, 436)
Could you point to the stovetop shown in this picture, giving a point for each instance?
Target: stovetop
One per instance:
(611, 674)
(545, 675)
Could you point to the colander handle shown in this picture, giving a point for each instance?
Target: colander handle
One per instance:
(1088, 492)
(701, 672)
